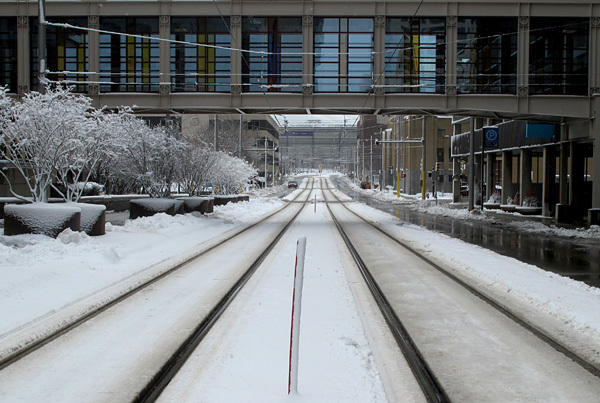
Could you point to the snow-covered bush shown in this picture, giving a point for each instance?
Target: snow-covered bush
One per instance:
(194, 168)
(231, 173)
(146, 156)
(43, 135)
(495, 198)
(530, 201)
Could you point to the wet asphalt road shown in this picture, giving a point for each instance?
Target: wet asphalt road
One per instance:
(578, 259)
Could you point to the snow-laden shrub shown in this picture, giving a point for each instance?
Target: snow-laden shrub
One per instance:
(530, 201)
(54, 133)
(231, 173)
(146, 156)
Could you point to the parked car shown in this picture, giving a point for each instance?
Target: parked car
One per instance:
(292, 184)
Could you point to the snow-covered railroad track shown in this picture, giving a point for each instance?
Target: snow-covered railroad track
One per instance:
(472, 347)
(96, 335)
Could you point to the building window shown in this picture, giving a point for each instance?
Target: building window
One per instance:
(558, 56)
(8, 53)
(441, 132)
(415, 55)
(343, 59)
(127, 63)
(200, 68)
(274, 62)
(487, 55)
(66, 53)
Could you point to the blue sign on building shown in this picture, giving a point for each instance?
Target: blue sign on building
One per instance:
(539, 130)
(490, 136)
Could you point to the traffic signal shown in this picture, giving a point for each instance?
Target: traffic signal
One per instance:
(403, 175)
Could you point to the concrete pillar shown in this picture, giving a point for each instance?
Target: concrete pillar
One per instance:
(23, 59)
(564, 167)
(94, 54)
(479, 162)
(236, 56)
(471, 168)
(596, 168)
(307, 57)
(549, 180)
(523, 57)
(165, 59)
(525, 175)
(456, 180)
(490, 176)
(576, 162)
(507, 173)
(451, 51)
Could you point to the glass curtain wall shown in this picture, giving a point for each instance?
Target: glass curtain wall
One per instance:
(415, 55)
(127, 63)
(487, 55)
(343, 60)
(8, 53)
(558, 56)
(67, 53)
(273, 62)
(198, 68)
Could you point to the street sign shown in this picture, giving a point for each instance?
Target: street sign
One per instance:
(491, 136)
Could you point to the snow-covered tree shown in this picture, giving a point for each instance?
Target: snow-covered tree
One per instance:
(231, 173)
(146, 155)
(194, 168)
(39, 136)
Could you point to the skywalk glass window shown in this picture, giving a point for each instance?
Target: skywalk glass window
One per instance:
(8, 53)
(343, 60)
(129, 63)
(198, 68)
(559, 56)
(273, 62)
(487, 55)
(67, 53)
(415, 55)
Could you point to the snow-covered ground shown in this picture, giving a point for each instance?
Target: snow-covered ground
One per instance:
(42, 275)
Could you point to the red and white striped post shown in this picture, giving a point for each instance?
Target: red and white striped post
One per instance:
(296, 308)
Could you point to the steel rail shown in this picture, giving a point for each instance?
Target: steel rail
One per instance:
(539, 333)
(169, 370)
(431, 387)
(64, 328)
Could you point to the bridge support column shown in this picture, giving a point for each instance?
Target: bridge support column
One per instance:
(596, 136)
(525, 175)
(507, 173)
(456, 180)
(490, 175)
(549, 181)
